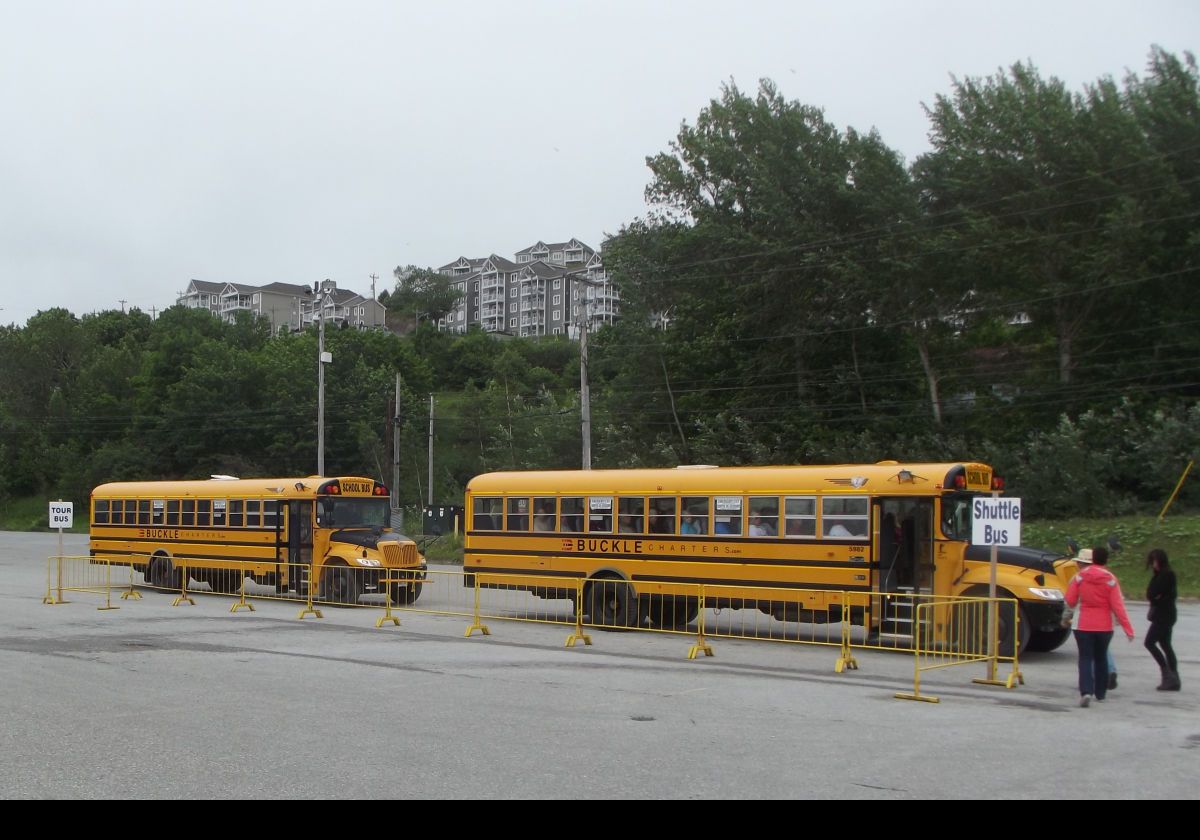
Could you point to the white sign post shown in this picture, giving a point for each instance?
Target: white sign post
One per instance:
(995, 522)
(61, 516)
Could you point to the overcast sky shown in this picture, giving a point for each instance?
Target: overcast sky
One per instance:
(143, 144)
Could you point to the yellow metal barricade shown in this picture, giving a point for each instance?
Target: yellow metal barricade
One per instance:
(958, 631)
(79, 574)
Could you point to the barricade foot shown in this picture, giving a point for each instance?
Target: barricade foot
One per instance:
(924, 698)
(576, 637)
(845, 663)
(49, 599)
(132, 594)
(242, 605)
(108, 607)
(179, 599)
(307, 611)
(695, 649)
(482, 628)
(383, 618)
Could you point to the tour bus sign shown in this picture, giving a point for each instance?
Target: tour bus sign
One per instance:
(995, 521)
(61, 514)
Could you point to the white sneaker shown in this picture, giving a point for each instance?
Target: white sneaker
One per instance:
(1085, 700)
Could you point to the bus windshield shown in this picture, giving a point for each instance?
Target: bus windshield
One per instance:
(346, 512)
(956, 516)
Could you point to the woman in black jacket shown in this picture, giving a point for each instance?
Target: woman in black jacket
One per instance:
(1161, 595)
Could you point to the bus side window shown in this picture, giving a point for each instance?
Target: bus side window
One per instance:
(218, 512)
(156, 516)
(118, 508)
(600, 514)
(695, 515)
(143, 516)
(631, 515)
(101, 511)
(270, 513)
(727, 515)
(662, 515)
(172, 511)
(203, 513)
(236, 517)
(800, 516)
(764, 516)
(518, 514)
(844, 516)
(253, 513)
(487, 514)
(572, 514)
(544, 517)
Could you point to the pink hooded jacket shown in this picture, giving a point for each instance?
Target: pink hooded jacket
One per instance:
(1096, 591)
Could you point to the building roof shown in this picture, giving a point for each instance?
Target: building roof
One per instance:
(205, 286)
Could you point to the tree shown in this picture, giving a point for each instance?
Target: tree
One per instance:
(422, 293)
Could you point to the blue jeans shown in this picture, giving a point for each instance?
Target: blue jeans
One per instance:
(1093, 661)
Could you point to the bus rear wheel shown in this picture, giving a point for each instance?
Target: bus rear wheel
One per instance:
(673, 612)
(612, 604)
(163, 573)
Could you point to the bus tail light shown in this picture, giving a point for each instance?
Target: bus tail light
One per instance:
(960, 482)
(997, 483)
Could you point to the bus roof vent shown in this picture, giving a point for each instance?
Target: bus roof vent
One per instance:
(697, 467)
(223, 478)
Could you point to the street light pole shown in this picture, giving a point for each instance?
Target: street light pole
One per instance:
(321, 360)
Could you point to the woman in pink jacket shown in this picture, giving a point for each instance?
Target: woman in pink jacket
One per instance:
(1098, 595)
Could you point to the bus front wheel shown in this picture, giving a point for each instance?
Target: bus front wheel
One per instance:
(1006, 613)
(406, 593)
(342, 586)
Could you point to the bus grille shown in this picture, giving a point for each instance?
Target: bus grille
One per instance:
(397, 554)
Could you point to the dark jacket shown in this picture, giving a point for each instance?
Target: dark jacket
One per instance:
(1161, 595)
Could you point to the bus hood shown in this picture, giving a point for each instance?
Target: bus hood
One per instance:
(365, 537)
(1039, 559)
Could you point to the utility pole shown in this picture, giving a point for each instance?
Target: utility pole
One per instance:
(396, 449)
(323, 359)
(373, 277)
(585, 396)
(122, 302)
(430, 480)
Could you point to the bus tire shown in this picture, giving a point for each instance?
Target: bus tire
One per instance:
(1044, 641)
(405, 593)
(342, 587)
(673, 612)
(163, 573)
(1004, 643)
(612, 604)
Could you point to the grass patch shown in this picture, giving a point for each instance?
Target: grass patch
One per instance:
(1178, 535)
(444, 550)
(33, 514)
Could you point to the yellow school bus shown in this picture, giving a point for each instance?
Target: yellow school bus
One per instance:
(888, 527)
(281, 532)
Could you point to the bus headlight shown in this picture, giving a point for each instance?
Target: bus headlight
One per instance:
(1048, 594)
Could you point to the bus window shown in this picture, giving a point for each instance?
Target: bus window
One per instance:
(662, 515)
(172, 511)
(695, 515)
(600, 514)
(518, 514)
(800, 516)
(102, 511)
(270, 513)
(203, 512)
(844, 516)
(572, 514)
(189, 512)
(631, 517)
(156, 516)
(218, 512)
(544, 517)
(143, 514)
(727, 515)
(253, 513)
(487, 513)
(236, 516)
(764, 516)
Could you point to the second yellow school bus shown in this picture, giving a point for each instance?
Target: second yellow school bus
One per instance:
(885, 527)
(281, 532)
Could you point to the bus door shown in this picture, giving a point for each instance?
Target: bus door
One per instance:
(903, 561)
(299, 544)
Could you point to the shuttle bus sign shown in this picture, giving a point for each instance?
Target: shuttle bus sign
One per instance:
(996, 521)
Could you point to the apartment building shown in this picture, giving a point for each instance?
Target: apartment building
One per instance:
(289, 307)
(546, 289)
